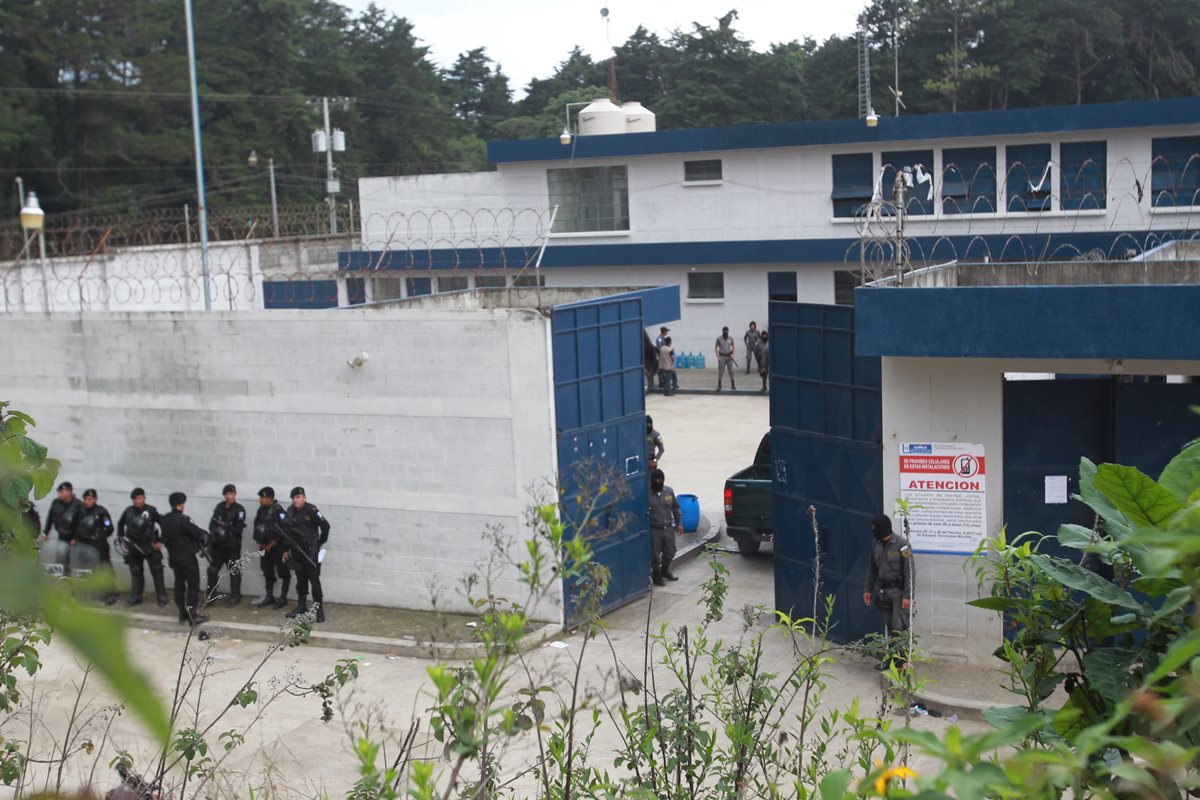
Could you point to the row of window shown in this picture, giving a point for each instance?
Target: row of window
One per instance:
(593, 199)
(969, 182)
(389, 287)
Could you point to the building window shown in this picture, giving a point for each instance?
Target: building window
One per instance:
(1084, 181)
(969, 180)
(918, 200)
(852, 183)
(489, 281)
(1030, 177)
(528, 281)
(706, 285)
(708, 170)
(388, 288)
(452, 284)
(1175, 172)
(589, 199)
(418, 286)
(845, 281)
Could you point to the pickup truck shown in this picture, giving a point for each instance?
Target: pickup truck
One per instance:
(748, 502)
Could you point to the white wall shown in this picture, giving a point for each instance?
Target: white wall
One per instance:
(948, 400)
(781, 193)
(410, 457)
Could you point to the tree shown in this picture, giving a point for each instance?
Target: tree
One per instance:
(479, 92)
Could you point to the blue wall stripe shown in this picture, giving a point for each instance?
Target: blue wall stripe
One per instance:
(1153, 322)
(1046, 119)
(300, 294)
(998, 247)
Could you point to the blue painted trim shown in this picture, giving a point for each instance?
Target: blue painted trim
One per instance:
(916, 127)
(997, 247)
(659, 304)
(1098, 322)
(300, 294)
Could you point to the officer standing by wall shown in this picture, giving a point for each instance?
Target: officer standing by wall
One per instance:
(268, 533)
(764, 362)
(137, 529)
(184, 540)
(63, 516)
(95, 526)
(666, 520)
(750, 339)
(726, 351)
(226, 526)
(306, 530)
(654, 443)
(889, 577)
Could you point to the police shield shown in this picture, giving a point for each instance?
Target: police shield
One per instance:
(54, 555)
(84, 559)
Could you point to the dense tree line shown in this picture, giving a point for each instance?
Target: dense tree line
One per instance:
(94, 110)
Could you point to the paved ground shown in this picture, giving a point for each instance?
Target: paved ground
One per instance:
(707, 437)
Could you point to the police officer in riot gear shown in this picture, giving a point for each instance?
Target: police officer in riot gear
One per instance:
(306, 530)
(184, 540)
(890, 572)
(226, 526)
(95, 526)
(268, 534)
(137, 532)
(64, 514)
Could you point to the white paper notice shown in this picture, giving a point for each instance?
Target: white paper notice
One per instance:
(1056, 489)
(946, 483)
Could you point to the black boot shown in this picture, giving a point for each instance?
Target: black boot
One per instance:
(134, 600)
(109, 599)
(267, 600)
(235, 591)
(321, 613)
(282, 601)
(298, 610)
(162, 601)
(732, 385)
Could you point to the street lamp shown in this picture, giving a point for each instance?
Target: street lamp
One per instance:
(565, 137)
(33, 220)
(253, 161)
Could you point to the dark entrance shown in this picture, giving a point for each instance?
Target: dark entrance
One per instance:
(781, 286)
(827, 452)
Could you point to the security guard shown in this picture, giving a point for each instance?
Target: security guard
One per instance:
(95, 526)
(226, 526)
(654, 443)
(750, 339)
(64, 514)
(137, 533)
(666, 520)
(184, 539)
(306, 530)
(889, 576)
(726, 351)
(268, 534)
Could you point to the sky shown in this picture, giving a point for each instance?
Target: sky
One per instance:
(529, 38)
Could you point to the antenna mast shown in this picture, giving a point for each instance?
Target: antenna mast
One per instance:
(864, 75)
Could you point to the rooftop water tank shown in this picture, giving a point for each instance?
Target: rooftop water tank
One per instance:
(638, 118)
(600, 117)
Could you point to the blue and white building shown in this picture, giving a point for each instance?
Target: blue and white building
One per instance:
(737, 216)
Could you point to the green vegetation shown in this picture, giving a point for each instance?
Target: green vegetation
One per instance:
(94, 110)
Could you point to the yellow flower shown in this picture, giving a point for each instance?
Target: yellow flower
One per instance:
(903, 773)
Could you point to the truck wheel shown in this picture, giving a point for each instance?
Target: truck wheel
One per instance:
(748, 547)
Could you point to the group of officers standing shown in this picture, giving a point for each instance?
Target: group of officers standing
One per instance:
(288, 541)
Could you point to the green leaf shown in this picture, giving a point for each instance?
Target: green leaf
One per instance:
(1076, 537)
(1157, 586)
(994, 603)
(1181, 651)
(1117, 523)
(15, 489)
(1136, 495)
(1078, 578)
(100, 638)
(1108, 672)
(836, 785)
(1181, 477)
(34, 453)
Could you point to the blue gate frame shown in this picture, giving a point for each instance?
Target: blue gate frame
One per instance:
(600, 414)
(827, 452)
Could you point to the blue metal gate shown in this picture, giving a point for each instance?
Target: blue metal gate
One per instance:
(826, 429)
(601, 428)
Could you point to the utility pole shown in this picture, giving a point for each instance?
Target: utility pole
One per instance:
(199, 149)
(329, 183)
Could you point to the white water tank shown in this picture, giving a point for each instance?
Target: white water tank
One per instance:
(600, 117)
(638, 118)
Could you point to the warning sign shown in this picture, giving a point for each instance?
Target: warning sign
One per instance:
(946, 482)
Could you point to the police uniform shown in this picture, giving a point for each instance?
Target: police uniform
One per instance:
(226, 526)
(64, 518)
(137, 529)
(889, 581)
(306, 530)
(665, 520)
(33, 520)
(268, 522)
(95, 526)
(725, 348)
(184, 540)
(750, 339)
(654, 445)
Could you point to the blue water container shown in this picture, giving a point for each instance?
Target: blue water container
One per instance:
(689, 509)
(683, 361)
(700, 361)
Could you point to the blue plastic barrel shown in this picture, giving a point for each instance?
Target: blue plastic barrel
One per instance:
(689, 509)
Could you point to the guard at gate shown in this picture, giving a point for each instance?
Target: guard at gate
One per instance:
(666, 521)
(95, 526)
(139, 540)
(890, 573)
(226, 526)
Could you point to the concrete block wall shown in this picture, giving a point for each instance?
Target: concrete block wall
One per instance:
(410, 457)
